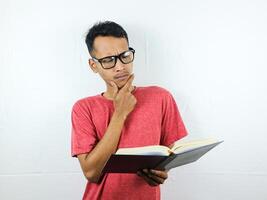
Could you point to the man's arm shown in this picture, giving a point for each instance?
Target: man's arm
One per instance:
(93, 163)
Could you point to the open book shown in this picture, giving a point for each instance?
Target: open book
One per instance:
(130, 160)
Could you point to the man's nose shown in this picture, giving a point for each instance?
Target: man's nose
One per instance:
(119, 65)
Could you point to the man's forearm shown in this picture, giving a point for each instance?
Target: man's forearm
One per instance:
(95, 161)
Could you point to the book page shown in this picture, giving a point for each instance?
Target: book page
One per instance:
(181, 146)
(146, 150)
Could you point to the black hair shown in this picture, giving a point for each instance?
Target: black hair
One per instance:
(106, 28)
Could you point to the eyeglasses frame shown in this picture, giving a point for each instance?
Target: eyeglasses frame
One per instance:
(116, 58)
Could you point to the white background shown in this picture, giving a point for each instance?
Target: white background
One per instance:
(211, 55)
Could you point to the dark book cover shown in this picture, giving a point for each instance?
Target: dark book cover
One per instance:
(134, 163)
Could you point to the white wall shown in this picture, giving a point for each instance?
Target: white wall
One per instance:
(210, 54)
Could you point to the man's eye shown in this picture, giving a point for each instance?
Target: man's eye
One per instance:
(126, 54)
(108, 60)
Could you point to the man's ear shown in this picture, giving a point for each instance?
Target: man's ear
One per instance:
(92, 65)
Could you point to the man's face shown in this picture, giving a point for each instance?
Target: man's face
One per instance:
(109, 46)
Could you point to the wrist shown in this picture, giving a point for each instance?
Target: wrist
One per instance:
(119, 116)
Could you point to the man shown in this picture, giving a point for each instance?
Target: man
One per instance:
(122, 116)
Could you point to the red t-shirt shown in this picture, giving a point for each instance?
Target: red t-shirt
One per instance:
(155, 120)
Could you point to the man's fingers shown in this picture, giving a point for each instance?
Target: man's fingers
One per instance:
(157, 176)
(162, 174)
(153, 178)
(147, 179)
(114, 88)
(128, 84)
(156, 179)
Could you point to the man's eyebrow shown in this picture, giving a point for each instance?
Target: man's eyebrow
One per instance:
(113, 54)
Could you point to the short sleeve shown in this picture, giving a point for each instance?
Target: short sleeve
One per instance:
(172, 126)
(83, 133)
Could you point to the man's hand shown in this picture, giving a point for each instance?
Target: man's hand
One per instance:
(153, 177)
(124, 101)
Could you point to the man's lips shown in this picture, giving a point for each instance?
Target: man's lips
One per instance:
(121, 76)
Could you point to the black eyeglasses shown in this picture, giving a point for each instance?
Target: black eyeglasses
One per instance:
(109, 62)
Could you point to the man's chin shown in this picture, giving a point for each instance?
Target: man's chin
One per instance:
(120, 84)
